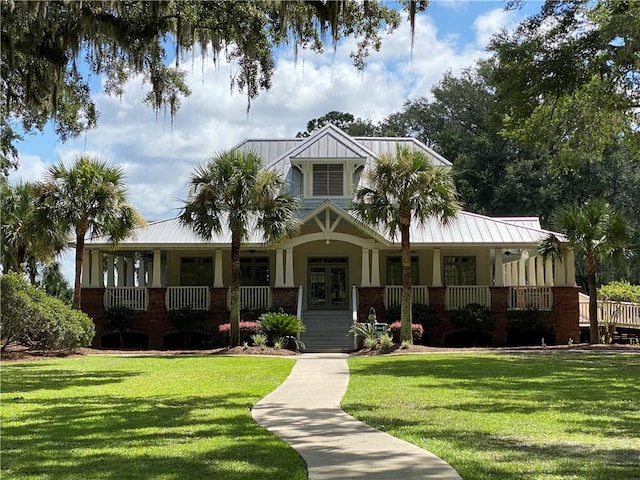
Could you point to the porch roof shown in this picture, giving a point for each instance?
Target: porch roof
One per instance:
(468, 229)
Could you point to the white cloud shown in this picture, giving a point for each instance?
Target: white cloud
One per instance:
(491, 22)
(31, 168)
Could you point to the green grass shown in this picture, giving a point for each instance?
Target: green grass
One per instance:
(508, 416)
(107, 417)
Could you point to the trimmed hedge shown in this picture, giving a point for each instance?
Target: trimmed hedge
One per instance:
(32, 318)
(620, 292)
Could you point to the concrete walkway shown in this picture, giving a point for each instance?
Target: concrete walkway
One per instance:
(305, 412)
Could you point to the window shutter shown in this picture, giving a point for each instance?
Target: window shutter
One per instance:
(335, 180)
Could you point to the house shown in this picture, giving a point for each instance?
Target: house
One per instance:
(336, 269)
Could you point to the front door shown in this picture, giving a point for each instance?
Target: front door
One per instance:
(328, 283)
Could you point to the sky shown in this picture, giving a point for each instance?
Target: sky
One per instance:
(157, 155)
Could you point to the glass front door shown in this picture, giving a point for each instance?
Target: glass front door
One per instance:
(328, 283)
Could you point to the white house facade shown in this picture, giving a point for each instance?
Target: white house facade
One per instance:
(336, 269)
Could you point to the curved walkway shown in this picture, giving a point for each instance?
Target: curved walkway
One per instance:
(305, 412)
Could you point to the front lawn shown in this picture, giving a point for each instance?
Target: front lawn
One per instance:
(117, 417)
(508, 416)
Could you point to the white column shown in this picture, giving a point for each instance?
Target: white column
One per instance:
(217, 270)
(288, 277)
(365, 279)
(561, 274)
(498, 274)
(142, 273)
(110, 275)
(539, 271)
(507, 274)
(119, 274)
(522, 278)
(279, 269)
(532, 272)
(375, 267)
(96, 269)
(86, 269)
(570, 262)
(157, 269)
(437, 274)
(548, 272)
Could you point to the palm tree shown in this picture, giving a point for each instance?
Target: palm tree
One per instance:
(595, 232)
(87, 197)
(405, 187)
(234, 188)
(25, 242)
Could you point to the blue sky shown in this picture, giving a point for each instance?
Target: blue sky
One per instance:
(158, 157)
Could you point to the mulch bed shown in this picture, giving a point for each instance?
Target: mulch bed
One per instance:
(15, 353)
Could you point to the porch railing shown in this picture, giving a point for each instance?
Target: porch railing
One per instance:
(393, 295)
(622, 314)
(458, 296)
(197, 298)
(253, 297)
(136, 298)
(530, 297)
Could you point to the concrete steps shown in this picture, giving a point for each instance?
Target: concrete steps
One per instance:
(327, 331)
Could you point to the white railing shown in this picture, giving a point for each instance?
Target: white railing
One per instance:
(530, 297)
(136, 298)
(197, 298)
(622, 314)
(460, 295)
(393, 295)
(299, 305)
(252, 297)
(354, 304)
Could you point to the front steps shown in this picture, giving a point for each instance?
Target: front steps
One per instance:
(327, 331)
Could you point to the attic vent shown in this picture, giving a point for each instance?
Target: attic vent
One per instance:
(328, 180)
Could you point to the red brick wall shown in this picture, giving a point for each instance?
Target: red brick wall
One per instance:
(285, 297)
(565, 317)
(371, 297)
(499, 306)
(91, 304)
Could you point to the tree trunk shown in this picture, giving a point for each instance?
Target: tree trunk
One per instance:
(234, 332)
(77, 288)
(594, 336)
(406, 334)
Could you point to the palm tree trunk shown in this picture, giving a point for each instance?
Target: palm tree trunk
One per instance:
(234, 333)
(594, 336)
(405, 312)
(77, 288)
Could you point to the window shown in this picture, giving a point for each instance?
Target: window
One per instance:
(196, 271)
(254, 271)
(394, 271)
(357, 176)
(460, 270)
(328, 180)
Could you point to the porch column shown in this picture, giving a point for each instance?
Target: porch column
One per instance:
(514, 273)
(279, 269)
(532, 272)
(561, 274)
(522, 279)
(570, 261)
(437, 275)
(142, 273)
(96, 269)
(130, 269)
(507, 274)
(539, 271)
(86, 269)
(498, 274)
(217, 270)
(110, 271)
(289, 268)
(548, 272)
(365, 280)
(157, 269)
(375, 267)
(119, 272)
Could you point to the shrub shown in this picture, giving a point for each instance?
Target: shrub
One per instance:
(246, 330)
(32, 318)
(416, 331)
(620, 292)
(385, 340)
(281, 324)
(260, 340)
(474, 317)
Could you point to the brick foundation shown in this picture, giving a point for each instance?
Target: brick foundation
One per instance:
(565, 316)
(285, 298)
(371, 297)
